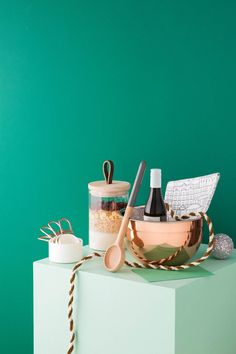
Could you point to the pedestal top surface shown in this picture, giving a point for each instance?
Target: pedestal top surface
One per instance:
(95, 266)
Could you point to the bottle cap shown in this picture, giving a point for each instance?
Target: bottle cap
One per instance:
(155, 180)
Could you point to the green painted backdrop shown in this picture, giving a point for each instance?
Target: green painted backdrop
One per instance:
(82, 81)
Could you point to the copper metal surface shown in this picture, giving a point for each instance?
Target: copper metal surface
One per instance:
(162, 239)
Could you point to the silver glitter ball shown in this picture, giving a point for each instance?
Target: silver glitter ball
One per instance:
(223, 246)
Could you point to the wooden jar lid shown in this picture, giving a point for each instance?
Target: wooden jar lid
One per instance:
(103, 189)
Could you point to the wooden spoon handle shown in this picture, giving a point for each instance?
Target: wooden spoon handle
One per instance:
(130, 206)
(124, 225)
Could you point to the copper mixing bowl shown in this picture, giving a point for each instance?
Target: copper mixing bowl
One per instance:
(157, 240)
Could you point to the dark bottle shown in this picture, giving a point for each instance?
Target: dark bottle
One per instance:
(155, 208)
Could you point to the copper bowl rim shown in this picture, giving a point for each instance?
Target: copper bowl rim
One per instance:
(194, 218)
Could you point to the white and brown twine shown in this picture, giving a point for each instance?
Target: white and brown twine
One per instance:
(157, 264)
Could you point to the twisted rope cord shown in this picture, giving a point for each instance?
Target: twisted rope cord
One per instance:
(71, 298)
(160, 261)
(148, 264)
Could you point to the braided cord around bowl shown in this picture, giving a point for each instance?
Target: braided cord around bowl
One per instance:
(161, 260)
(157, 264)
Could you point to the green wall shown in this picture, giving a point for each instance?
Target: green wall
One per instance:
(82, 81)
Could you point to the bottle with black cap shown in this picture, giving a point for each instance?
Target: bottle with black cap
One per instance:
(155, 208)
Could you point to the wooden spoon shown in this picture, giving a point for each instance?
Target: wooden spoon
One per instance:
(115, 255)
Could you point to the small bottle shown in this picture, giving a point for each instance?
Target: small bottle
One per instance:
(155, 208)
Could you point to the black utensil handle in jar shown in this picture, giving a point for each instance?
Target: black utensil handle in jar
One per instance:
(137, 183)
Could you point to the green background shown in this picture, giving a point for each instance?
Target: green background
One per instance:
(83, 81)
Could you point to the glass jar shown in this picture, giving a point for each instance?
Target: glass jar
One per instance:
(105, 203)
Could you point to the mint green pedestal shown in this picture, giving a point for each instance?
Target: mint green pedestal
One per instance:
(123, 314)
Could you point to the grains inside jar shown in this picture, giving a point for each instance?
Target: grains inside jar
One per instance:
(105, 216)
